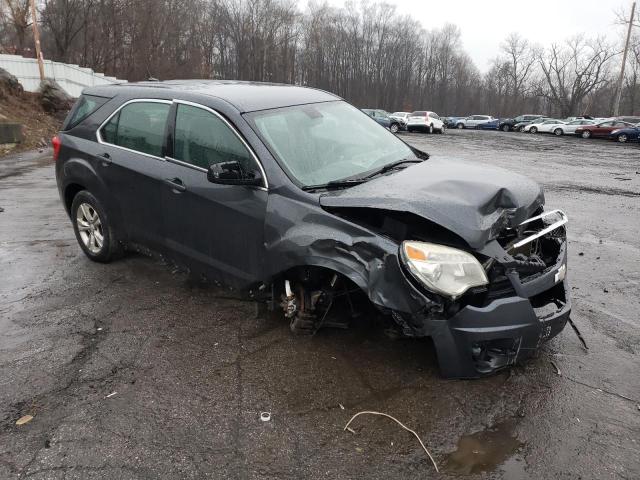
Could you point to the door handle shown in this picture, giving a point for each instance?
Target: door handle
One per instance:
(176, 184)
(105, 159)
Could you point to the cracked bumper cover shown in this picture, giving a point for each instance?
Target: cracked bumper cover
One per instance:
(481, 340)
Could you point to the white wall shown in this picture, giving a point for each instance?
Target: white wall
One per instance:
(72, 78)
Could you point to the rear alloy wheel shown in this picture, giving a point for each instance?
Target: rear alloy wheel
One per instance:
(558, 132)
(586, 134)
(93, 230)
(394, 128)
(533, 130)
(505, 128)
(460, 126)
(622, 138)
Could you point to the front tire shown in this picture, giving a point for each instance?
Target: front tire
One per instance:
(622, 138)
(430, 129)
(443, 130)
(505, 128)
(394, 128)
(521, 129)
(460, 126)
(586, 134)
(93, 228)
(533, 130)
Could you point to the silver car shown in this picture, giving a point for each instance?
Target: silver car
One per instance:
(473, 121)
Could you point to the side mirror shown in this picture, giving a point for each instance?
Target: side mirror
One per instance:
(232, 173)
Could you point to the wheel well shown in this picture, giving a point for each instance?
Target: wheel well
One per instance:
(70, 193)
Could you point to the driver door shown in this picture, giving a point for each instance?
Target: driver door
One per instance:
(218, 229)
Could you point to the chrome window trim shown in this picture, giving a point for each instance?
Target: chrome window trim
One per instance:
(185, 164)
(563, 220)
(235, 131)
(116, 111)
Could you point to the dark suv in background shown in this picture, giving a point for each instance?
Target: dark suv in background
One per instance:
(297, 199)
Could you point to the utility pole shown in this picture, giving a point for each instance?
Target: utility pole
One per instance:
(616, 105)
(36, 38)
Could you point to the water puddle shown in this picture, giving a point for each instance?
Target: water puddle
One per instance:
(487, 450)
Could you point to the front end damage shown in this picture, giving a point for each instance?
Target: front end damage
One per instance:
(525, 303)
(354, 239)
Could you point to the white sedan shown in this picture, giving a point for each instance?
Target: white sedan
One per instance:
(543, 126)
(569, 128)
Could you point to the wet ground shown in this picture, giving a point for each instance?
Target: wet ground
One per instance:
(132, 371)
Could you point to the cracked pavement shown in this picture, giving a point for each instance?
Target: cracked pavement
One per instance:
(132, 371)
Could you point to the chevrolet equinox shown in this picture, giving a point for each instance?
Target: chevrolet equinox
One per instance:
(298, 199)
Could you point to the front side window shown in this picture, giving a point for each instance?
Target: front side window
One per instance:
(203, 139)
(323, 142)
(139, 126)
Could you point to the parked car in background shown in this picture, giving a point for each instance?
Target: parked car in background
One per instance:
(383, 119)
(632, 120)
(569, 127)
(401, 117)
(542, 125)
(473, 121)
(627, 134)
(490, 125)
(508, 124)
(602, 129)
(425, 120)
(451, 122)
(519, 127)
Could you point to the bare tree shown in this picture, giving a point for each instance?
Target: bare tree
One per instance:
(19, 17)
(575, 70)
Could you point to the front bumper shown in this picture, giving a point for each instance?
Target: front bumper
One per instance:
(482, 338)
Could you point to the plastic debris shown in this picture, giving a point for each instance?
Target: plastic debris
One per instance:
(556, 367)
(24, 419)
(346, 427)
(265, 416)
(111, 394)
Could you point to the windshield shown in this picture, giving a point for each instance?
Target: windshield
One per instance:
(324, 142)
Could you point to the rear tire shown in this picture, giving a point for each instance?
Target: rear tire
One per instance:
(460, 126)
(506, 128)
(93, 228)
(558, 132)
(443, 130)
(394, 128)
(586, 134)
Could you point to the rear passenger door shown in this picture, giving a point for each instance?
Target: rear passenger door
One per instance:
(131, 161)
(217, 229)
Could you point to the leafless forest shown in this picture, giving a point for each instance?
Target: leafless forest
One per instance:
(366, 52)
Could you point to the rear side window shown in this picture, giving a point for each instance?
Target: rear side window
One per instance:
(203, 139)
(85, 106)
(139, 126)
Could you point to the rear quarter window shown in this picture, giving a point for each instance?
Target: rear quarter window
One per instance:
(85, 106)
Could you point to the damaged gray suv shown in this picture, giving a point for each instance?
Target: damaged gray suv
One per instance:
(301, 201)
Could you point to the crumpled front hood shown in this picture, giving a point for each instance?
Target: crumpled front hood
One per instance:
(473, 201)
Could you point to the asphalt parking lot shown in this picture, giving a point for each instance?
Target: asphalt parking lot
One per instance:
(131, 370)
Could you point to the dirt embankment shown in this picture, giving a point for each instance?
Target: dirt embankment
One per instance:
(25, 108)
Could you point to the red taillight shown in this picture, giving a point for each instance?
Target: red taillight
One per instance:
(55, 142)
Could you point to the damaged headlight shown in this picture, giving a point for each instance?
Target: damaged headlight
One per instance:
(444, 270)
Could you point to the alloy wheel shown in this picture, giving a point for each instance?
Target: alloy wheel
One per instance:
(558, 132)
(394, 128)
(622, 138)
(90, 228)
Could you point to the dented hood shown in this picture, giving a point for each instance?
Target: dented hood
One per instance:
(473, 201)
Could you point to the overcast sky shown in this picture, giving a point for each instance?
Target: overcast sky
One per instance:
(485, 23)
